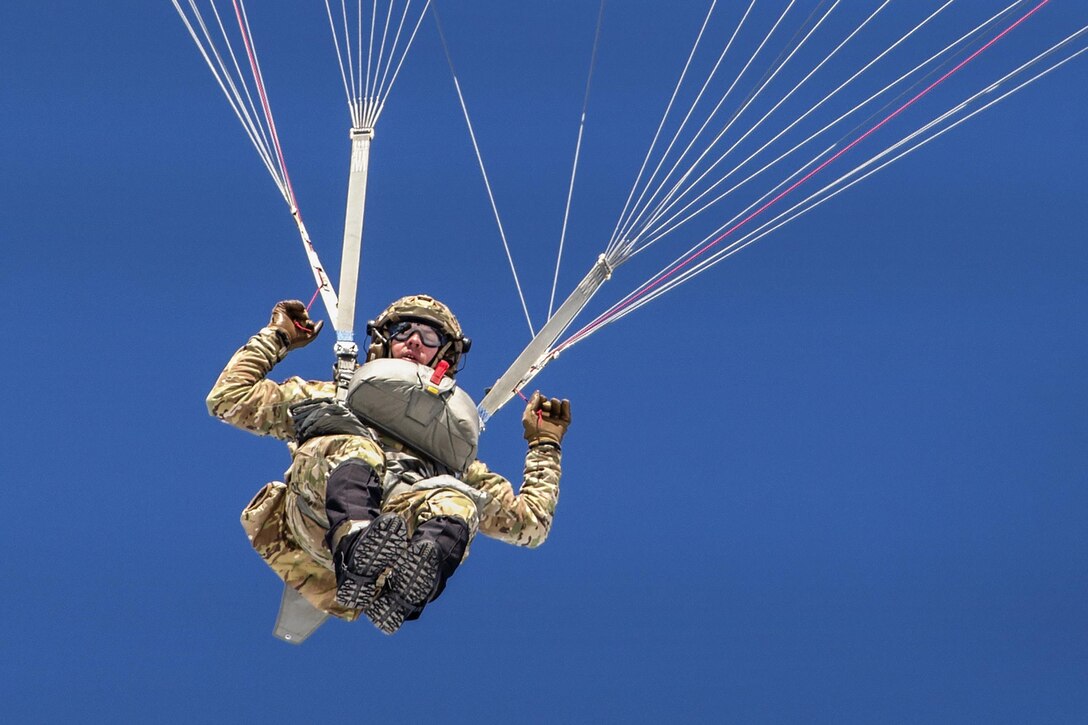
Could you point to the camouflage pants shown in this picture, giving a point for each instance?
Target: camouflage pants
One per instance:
(287, 523)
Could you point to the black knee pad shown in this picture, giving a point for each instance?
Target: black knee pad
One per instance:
(450, 536)
(353, 492)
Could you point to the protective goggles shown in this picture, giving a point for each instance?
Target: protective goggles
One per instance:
(428, 335)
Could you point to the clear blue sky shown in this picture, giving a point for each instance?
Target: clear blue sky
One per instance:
(839, 478)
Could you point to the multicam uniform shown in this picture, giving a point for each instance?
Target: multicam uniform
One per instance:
(286, 522)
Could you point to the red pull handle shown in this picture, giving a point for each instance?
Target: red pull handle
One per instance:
(439, 370)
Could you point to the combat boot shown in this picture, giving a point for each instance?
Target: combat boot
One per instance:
(364, 544)
(420, 575)
(364, 555)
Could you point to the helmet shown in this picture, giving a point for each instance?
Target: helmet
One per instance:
(424, 309)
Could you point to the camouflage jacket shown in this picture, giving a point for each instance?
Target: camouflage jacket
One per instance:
(246, 399)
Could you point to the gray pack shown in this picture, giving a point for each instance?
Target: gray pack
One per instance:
(400, 398)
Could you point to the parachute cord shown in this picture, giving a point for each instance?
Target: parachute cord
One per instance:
(483, 171)
(258, 79)
(617, 238)
(829, 191)
(379, 83)
(254, 131)
(385, 88)
(669, 200)
(310, 304)
(340, 60)
(363, 90)
(676, 267)
(710, 116)
(250, 108)
(663, 228)
(372, 79)
(539, 413)
(636, 218)
(577, 151)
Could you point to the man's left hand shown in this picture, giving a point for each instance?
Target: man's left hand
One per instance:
(545, 420)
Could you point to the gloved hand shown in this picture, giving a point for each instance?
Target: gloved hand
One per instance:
(293, 323)
(545, 420)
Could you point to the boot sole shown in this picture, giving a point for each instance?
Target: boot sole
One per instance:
(408, 589)
(376, 550)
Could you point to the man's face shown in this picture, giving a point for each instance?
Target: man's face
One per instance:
(415, 341)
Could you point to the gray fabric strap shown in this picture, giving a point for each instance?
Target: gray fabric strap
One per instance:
(297, 619)
(478, 497)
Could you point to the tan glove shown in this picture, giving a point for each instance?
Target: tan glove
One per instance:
(293, 324)
(545, 420)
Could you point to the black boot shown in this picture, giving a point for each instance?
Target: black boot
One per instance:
(363, 556)
(419, 577)
(364, 542)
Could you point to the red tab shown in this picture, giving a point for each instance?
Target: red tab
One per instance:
(439, 370)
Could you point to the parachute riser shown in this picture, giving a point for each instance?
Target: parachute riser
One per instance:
(324, 284)
(353, 230)
(346, 351)
(537, 354)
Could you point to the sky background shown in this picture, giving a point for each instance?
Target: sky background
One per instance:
(839, 478)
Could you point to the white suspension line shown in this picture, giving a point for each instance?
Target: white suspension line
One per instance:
(347, 53)
(657, 234)
(381, 63)
(266, 105)
(828, 192)
(379, 59)
(663, 228)
(635, 215)
(771, 225)
(669, 268)
(669, 200)
(632, 240)
(340, 59)
(806, 205)
(577, 151)
(483, 170)
(249, 103)
(258, 121)
(615, 238)
(367, 87)
(634, 220)
(676, 194)
(396, 72)
(251, 124)
(692, 107)
(363, 91)
(224, 80)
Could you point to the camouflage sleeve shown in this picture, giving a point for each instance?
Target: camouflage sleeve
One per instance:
(245, 398)
(523, 519)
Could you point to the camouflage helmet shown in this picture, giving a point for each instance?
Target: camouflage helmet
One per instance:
(422, 308)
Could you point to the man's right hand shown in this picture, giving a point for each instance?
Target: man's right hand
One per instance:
(293, 324)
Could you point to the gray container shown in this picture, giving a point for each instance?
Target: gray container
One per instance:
(438, 420)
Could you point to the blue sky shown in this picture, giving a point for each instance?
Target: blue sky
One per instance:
(838, 478)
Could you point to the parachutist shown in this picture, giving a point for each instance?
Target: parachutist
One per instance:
(384, 494)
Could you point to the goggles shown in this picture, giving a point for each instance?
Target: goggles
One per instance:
(428, 335)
